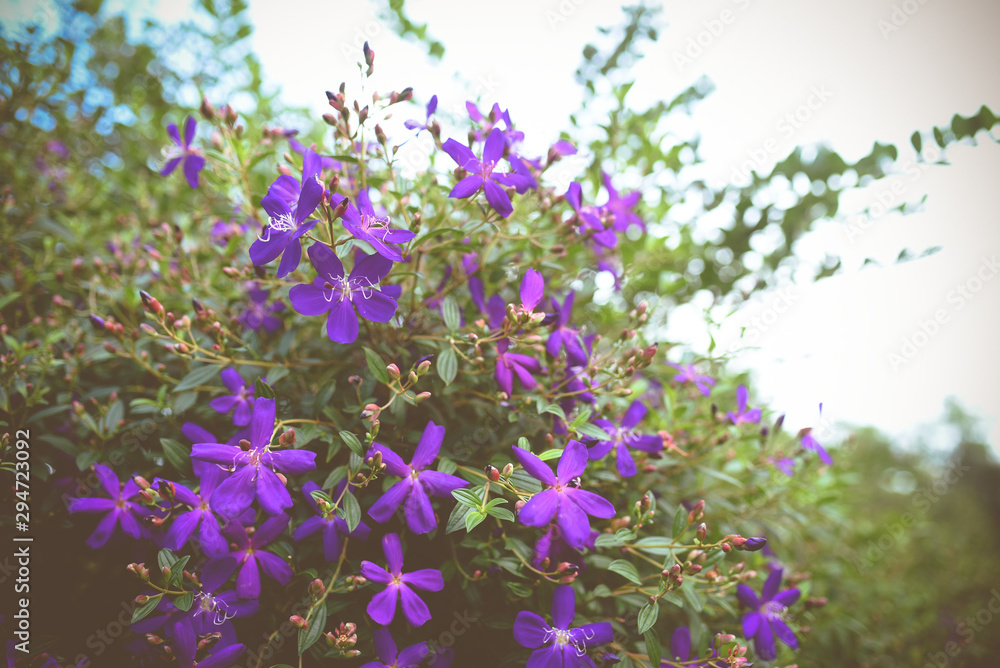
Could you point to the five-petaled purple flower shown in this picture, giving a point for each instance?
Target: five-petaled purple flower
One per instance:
(589, 217)
(417, 482)
(390, 657)
(431, 108)
(255, 467)
(620, 207)
(482, 174)
(558, 645)
(285, 227)
(742, 414)
(382, 607)
(119, 509)
(765, 620)
(336, 294)
(193, 161)
(680, 652)
(509, 364)
(333, 527)
(623, 438)
(258, 314)
(252, 557)
(241, 398)
(363, 223)
(563, 499)
(688, 374)
(199, 517)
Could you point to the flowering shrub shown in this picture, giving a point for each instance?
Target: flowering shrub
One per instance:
(439, 433)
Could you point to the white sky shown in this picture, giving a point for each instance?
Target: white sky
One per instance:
(832, 345)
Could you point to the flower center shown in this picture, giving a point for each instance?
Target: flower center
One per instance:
(369, 222)
(338, 290)
(487, 169)
(773, 610)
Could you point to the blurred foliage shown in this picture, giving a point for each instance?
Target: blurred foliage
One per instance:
(87, 221)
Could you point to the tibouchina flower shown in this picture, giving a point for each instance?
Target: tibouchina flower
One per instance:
(765, 621)
(255, 468)
(623, 437)
(252, 557)
(286, 226)
(390, 657)
(338, 296)
(119, 509)
(563, 500)
(482, 174)
(558, 645)
(182, 152)
(688, 374)
(241, 398)
(742, 414)
(333, 527)
(363, 223)
(399, 586)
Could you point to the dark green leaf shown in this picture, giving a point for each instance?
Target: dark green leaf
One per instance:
(175, 453)
(262, 390)
(352, 511)
(451, 314)
(197, 377)
(143, 610)
(625, 569)
(447, 365)
(317, 624)
(184, 601)
(467, 497)
(680, 521)
(377, 366)
(653, 649)
(647, 616)
(353, 442)
(473, 518)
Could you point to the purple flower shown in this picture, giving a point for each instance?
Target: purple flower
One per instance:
(688, 374)
(183, 152)
(363, 223)
(431, 108)
(254, 468)
(532, 289)
(119, 509)
(766, 617)
(258, 314)
(333, 527)
(223, 231)
(680, 651)
(285, 226)
(784, 464)
(199, 517)
(589, 218)
(185, 646)
(558, 645)
(382, 607)
(241, 398)
(563, 499)
(481, 174)
(552, 547)
(742, 414)
(212, 609)
(623, 438)
(511, 364)
(620, 207)
(564, 336)
(809, 442)
(252, 558)
(337, 295)
(390, 657)
(417, 482)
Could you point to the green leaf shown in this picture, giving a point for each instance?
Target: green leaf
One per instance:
(501, 513)
(452, 316)
(317, 624)
(653, 649)
(625, 569)
(693, 598)
(655, 545)
(555, 409)
(197, 377)
(177, 571)
(554, 453)
(456, 520)
(467, 497)
(447, 365)
(86, 459)
(184, 601)
(917, 141)
(647, 616)
(680, 521)
(377, 366)
(608, 540)
(473, 519)
(165, 558)
(353, 442)
(109, 423)
(175, 453)
(336, 475)
(352, 511)
(262, 390)
(143, 610)
(592, 430)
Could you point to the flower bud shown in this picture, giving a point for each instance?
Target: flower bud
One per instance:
(393, 371)
(299, 622)
(379, 134)
(154, 639)
(369, 58)
(98, 322)
(423, 367)
(316, 588)
(701, 531)
(492, 472)
(723, 639)
(423, 396)
(754, 544)
(508, 469)
(815, 602)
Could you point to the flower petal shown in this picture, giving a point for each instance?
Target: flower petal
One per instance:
(342, 323)
(592, 504)
(747, 597)
(272, 495)
(441, 484)
(751, 623)
(772, 584)
(530, 630)
(264, 411)
(375, 573)
(385, 646)
(497, 197)
(383, 509)
(573, 461)
(392, 547)
(428, 447)
(235, 494)
(427, 579)
(248, 580)
(414, 608)
(563, 606)
(309, 299)
(540, 508)
(326, 262)
(467, 187)
(418, 510)
(382, 607)
(535, 466)
(375, 306)
(276, 568)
